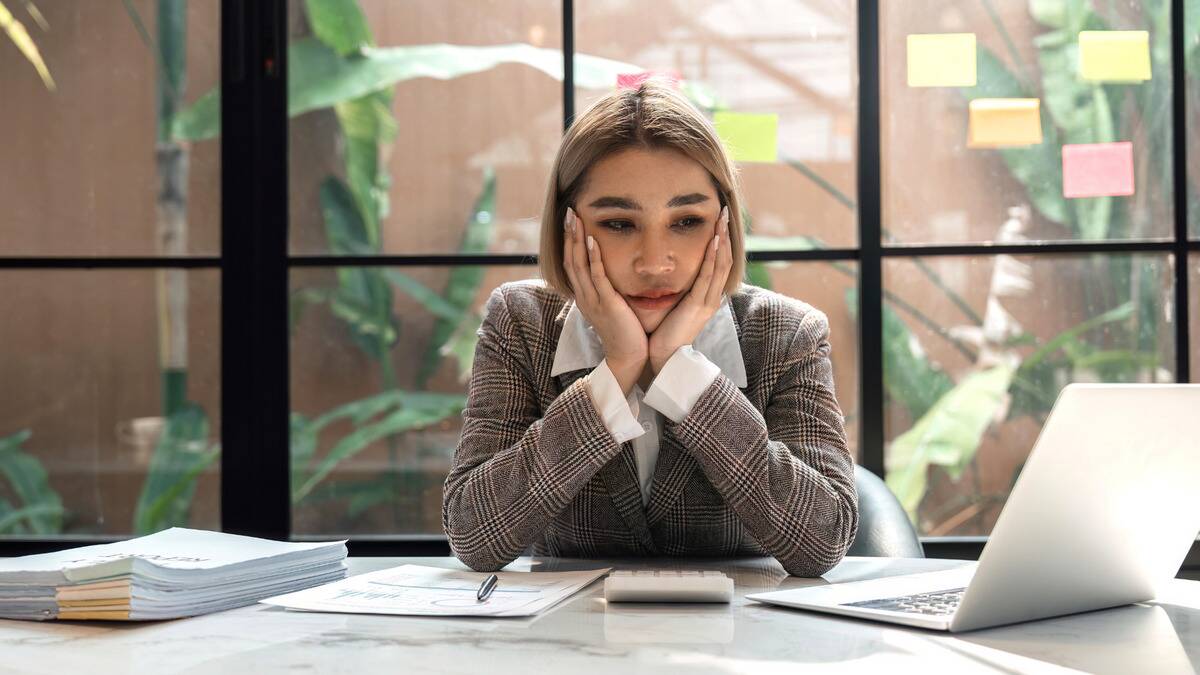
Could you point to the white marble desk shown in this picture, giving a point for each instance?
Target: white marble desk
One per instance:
(583, 635)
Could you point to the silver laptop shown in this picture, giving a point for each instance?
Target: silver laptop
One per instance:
(1104, 511)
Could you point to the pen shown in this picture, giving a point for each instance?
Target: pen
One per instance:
(486, 588)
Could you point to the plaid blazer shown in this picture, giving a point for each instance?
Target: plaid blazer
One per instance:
(762, 470)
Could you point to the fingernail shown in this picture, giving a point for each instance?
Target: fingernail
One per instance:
(567, 220)
(725, 217)
(590, 242)
(716, 240)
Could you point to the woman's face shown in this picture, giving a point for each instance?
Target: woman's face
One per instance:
(652, 213)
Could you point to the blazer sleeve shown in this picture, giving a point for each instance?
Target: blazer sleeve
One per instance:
(787, 472)
(515, 467)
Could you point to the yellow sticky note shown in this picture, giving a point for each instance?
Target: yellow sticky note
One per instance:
(749, 137)
(1002, 122)
(941, 60)
(1114, 55)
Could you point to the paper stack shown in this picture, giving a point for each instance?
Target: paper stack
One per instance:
(170, 574)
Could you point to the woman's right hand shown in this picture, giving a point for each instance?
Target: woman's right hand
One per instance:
(626, 346)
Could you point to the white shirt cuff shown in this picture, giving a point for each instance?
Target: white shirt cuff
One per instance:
(618, 411)
(680, 383)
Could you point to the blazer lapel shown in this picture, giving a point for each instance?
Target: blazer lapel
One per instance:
(620, 477)
(672, 473)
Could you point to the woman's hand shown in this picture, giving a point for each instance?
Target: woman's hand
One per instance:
(621, 333)
(685, 321)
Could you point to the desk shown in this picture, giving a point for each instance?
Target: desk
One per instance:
(583, 635)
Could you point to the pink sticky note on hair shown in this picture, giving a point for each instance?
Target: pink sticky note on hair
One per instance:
(1098, 170)
(635, 80)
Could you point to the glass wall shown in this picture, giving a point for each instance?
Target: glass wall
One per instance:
(976, 349)
(110, 407)
(96, 431)
(469, 100)
(1065, 114)
(99, 156)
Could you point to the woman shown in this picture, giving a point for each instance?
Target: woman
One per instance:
(639, 399)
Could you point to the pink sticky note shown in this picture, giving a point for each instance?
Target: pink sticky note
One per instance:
(1098, 170)
(635, 80)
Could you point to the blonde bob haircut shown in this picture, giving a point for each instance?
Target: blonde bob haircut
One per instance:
(653, 116)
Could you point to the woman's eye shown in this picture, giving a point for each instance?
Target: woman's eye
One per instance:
(690, 222)
(617, 225)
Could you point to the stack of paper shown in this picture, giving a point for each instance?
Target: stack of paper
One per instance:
(174, 573)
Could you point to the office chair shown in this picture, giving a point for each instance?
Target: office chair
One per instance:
(883, 527)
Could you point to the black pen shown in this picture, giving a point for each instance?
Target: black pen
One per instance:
(486, 588)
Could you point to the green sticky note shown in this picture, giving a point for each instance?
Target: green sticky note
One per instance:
(749, 137)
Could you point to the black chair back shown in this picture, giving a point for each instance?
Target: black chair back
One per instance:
(884, 530)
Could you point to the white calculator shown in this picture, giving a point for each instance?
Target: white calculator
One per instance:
(668, 586)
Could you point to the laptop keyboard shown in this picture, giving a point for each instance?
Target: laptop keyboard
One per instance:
(941, 603)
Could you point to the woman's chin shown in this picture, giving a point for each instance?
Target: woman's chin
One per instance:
(650, 318)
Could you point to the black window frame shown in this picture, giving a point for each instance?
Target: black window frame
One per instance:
(255, 264)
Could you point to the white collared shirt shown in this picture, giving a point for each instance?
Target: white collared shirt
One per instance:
(676, 388)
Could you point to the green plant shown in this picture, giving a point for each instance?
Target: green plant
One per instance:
(31, 505)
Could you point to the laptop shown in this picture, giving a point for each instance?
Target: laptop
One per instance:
(1104, 511)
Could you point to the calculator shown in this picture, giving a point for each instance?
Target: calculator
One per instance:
(668, 586)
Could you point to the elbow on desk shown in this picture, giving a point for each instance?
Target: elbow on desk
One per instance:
(466, 545)
(828, 541)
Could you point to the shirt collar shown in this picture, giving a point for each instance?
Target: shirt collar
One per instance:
(579, 345)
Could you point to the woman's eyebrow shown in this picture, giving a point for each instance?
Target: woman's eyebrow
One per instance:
(631, 205)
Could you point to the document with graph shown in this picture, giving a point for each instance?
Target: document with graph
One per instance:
(435, 591)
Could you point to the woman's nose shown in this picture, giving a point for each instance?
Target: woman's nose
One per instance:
(656, 257)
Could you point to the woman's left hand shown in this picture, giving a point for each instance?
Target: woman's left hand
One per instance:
(685, 321)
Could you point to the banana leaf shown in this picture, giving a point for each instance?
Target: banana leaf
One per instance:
(948, 435)
(318, 77)
(374, 418)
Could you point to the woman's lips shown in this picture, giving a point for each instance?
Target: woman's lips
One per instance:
(662, 302)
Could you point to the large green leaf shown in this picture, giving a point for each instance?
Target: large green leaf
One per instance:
(363, 297)
(396, 412)
(39, 509)
(318, 77)
(948, 435)
(340, 24)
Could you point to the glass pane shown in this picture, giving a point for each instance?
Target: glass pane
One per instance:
(832, 288)
(1192, 68)
(794, 61)
(97, 422)
(1194, 313)
(358, 476)
(355, 473)
(1073, 183)
(409, 167)
(102, 157)
(988, 342)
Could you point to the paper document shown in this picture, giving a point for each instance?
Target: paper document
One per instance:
(435, 591)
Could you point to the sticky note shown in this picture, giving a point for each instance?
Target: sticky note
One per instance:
(1003, 122)
(635, 80)
(1097, 170)
(1114, 55)
(749, 137)
(941, 60)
